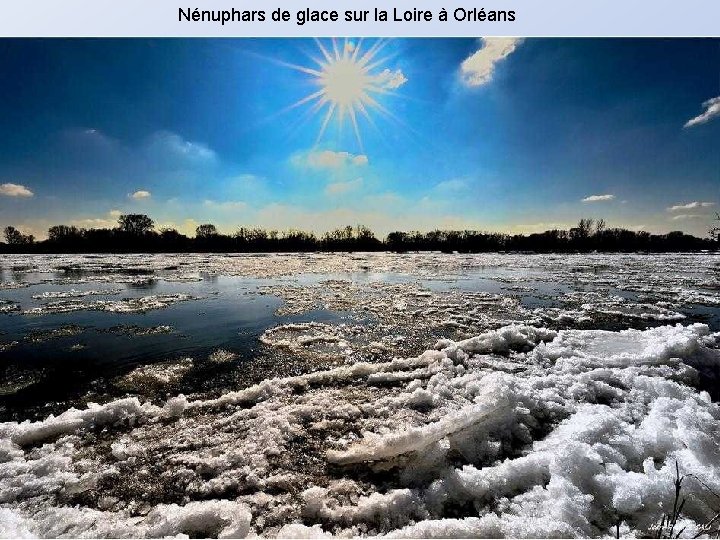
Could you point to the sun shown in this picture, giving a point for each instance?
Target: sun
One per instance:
(348, 79)
(344, 82)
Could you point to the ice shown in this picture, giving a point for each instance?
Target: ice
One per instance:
(373, 448)
(157, 375)
(127, 305)
(221, 519)
(73, 293)
(586, 434)
(127, 410)
(221, 356)
(212, 518)
(6, 306)
(440, 412)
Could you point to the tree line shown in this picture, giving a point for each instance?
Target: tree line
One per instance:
(137, 233)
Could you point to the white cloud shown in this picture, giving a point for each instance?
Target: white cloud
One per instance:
(598, 198)
(107, 222)
(390, 80)
(225, 205)
(690, 206)
(338, 188)
(94, 223)
(712, 109)
(15, 190)
(140, 195)
(328, 159)
(478, 68)
(684, 217)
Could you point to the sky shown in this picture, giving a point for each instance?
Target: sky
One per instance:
(513, 135)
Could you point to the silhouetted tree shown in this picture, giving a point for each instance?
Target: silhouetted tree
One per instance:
(135, 234)
(206, 230)
(397, 241)
(135, 224)
(715, 229)
(64, 233)
(12, 235)
(16, 238)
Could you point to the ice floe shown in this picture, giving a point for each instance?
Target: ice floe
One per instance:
(521, 431)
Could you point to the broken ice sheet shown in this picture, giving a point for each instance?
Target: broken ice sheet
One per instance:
(442, 412)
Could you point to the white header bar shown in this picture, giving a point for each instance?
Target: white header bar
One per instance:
(422, 18)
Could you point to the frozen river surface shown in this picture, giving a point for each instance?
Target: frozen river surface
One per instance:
(404, 395)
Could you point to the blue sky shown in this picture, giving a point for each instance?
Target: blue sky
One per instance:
(510, 135)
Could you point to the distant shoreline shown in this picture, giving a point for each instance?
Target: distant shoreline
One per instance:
(136, 233)
(715, 251)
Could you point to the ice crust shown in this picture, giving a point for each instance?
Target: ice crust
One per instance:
(521, 431)
(516, 421)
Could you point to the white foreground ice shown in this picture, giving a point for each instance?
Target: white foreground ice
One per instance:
(519, 420)
(521, 431)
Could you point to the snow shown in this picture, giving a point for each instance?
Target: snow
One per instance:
(588, 433)
(448, 413)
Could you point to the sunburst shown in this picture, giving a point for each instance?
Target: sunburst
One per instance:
(348, 78)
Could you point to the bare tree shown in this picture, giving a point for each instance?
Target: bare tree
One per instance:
(135, 224)
(206, 230)
(58, 233)
(715, 229)
(600, 226)
(16, 238)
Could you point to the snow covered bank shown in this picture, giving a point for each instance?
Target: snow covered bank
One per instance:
(521, 431)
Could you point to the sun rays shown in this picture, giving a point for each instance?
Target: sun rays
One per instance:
(348, 81)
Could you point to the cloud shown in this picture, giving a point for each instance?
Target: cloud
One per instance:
(387, 198)
(94, 223)
(456, 184)
(107, 222)
(390, 80)
(140, 195)
(328, 159)
(170, 146)
(684, 217)
(598, 198)
(225, 205)
(15, 190)
(478, 68)
(338, 188)
(712, 109)
(246, 179)
(690, 206)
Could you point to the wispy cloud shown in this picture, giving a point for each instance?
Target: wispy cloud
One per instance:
(15, 190)
(685, 217)
(140, 195)
(225, 205)
(690, 206)
(598, 198)
(328, 159)
(456, 184)
(172, 147)
(339, 188)
(712, 109)
(390, 80)
(478, 68)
